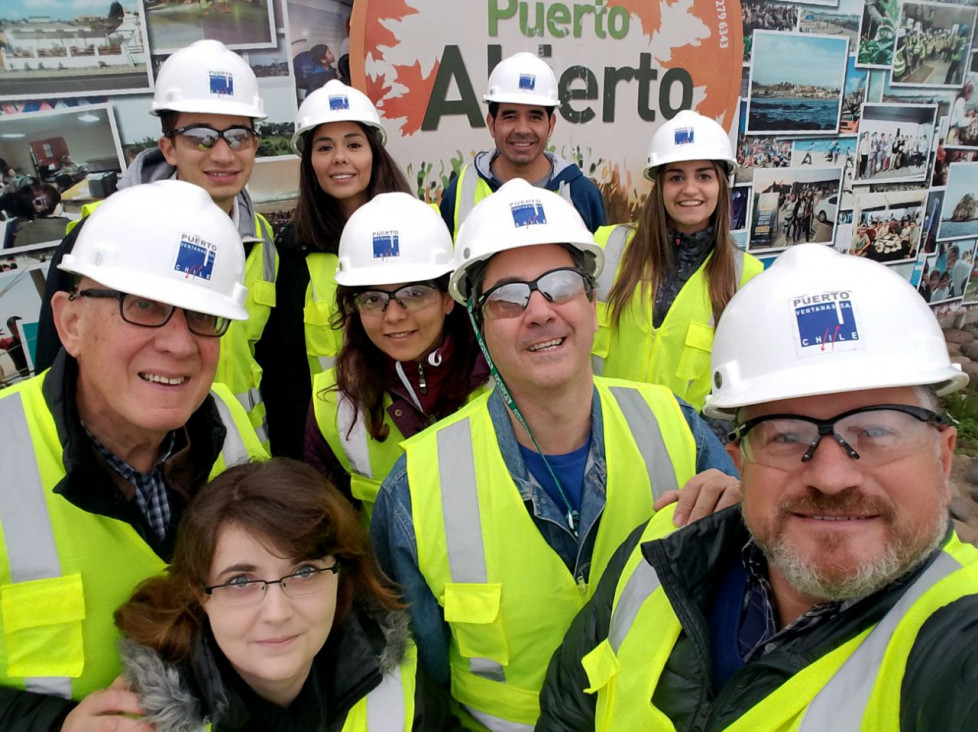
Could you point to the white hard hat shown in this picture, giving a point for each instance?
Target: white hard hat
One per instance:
(166, 241)
(689, 136)
(821, 322)
(209, 78)
(522, 79)
(393, 238)
(519, 215)
(335, 102)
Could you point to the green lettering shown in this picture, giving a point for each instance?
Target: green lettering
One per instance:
(670, 77)
(579, 12)
(537, 29)
(566, 94)
(618, 22)
(451, 66)
(557, 15)
(496, 14)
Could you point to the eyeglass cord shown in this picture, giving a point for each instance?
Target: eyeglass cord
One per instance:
(572, 516)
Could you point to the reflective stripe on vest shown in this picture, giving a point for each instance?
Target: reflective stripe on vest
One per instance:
(385, 704)
(29, 538)
(353, 435)
(460, 498)
(613, 249)
(325, 362)
(842, 702)
(233, 450)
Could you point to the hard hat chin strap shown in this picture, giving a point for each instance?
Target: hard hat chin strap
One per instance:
(572, 516)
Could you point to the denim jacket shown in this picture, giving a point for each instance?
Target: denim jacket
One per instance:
(392, 525)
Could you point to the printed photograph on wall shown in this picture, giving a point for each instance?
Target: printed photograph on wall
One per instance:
(238, 24)
(319, 43)
(739, 203)
(854, 96)
(793, 206)
(888, 225)
(836, 21)
(970, 292)
(932, 219)
(81, 48)
(877, 34)
(765, 15)
(21, 288)
(894, 142)
(963, 121)
(959, 216)
(829, 153)
(937, 279)
(933, 44)
(63, 160)
(758, 151)
(797, 82)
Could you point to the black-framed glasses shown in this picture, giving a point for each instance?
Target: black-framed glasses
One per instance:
(142, 311)
(205, 137)
(410, 297)
(558, 286)
(874, 435)
(241, 592)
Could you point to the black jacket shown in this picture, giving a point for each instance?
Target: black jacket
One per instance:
(89, 486)
(938, 691)
(356, 656)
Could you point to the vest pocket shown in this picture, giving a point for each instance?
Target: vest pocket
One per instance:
(262, 292)
(602, 339)
(601, 666)
(695, 358)
(473, 612)
(321, 338)
(42, 627)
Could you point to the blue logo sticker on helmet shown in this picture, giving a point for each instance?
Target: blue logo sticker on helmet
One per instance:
(338, 102)
(826, 322)
(195, 257)
(528, 82)
(386, 244)
(222, 83)
(528, 213)
(684, 136)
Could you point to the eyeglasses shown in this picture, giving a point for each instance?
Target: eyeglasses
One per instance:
(205, 137)
(242, 592)
(874, 435)
(558, 286)
(410, 297)
(148, 313)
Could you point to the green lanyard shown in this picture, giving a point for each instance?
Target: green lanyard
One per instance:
(572, 516)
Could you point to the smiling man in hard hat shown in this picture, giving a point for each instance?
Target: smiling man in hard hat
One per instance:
(500, 518)
(522, 97)
(208, 101)
(837, 597)
(102, 452)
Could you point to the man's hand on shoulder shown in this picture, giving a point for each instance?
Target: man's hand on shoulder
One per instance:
(115, 709)
(705, 493)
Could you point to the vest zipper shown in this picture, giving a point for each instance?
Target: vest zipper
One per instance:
(422, 384)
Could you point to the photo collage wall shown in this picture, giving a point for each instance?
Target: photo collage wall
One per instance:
(859, 127)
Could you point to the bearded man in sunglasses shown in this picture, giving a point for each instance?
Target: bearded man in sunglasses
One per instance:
(207, 99)
(837, 597)
(500, 518)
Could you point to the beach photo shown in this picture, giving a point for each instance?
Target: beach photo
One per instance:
(81, 48)
(238, 24)
(796, 83)
(887, 227)
(959, 215)
(894, 143)
(836, 21)
(933, 44)
(758, 151)
(793, 206)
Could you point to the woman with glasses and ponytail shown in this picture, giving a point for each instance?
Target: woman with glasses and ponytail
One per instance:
(273, 617)
(668, 278)
(409, 355)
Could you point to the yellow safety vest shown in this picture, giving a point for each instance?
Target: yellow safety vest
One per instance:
(502, 638)
(65, 571)
(471, 189)
(365, 459)
(677, 353)
(236, 366)
(323, 342)
(390, 706)
(854, 686)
